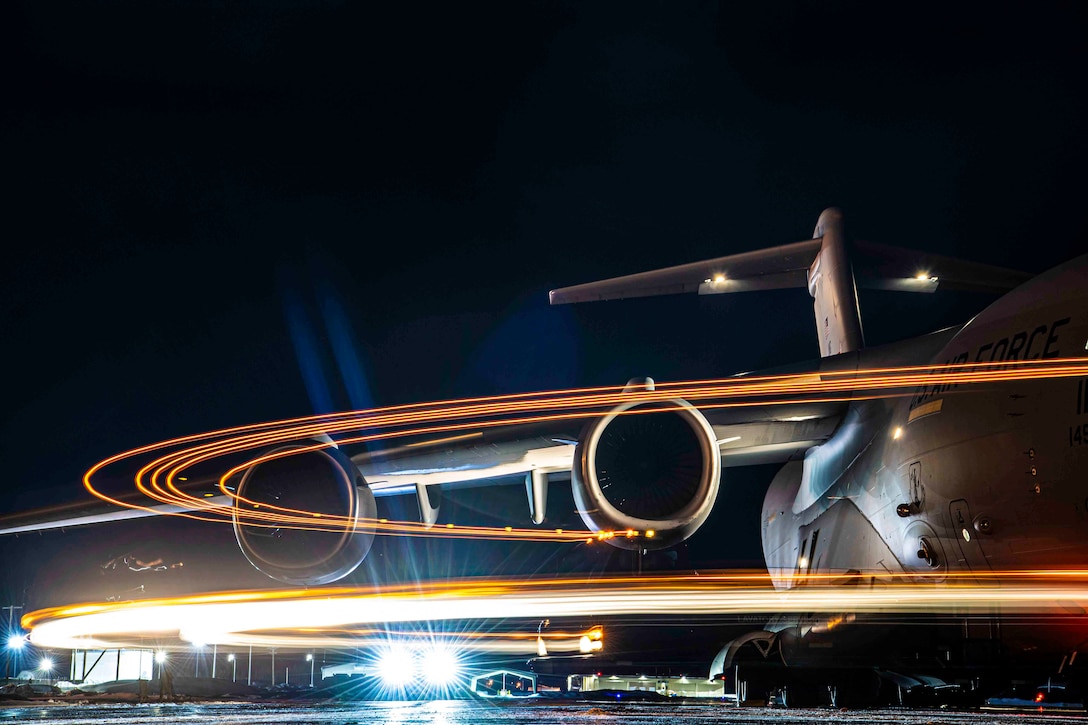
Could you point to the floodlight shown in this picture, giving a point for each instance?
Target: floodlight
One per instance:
(396, 666)
(160, 657)
(440, 666)
(16, 641)
(45, 665)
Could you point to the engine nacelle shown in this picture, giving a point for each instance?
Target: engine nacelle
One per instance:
(647, 467)
(322, 481)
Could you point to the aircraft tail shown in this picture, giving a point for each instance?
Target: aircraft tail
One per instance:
(831, 285)
(824, 265)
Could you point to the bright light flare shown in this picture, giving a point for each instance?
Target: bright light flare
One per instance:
(16, 642)
(46, 665)
(441, 666)
(396, 666)
(586, 644)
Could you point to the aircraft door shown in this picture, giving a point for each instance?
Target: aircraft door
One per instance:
(969, 540)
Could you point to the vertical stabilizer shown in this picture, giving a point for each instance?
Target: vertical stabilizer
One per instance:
(831, 284)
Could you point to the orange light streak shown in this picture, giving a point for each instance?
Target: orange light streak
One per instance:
(303, 617)
(157, 479)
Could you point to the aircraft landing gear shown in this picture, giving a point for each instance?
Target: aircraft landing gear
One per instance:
(803, 694)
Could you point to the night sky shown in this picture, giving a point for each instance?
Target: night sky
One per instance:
(223, 213)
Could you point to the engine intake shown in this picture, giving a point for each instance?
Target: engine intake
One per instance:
(321, 481)
(647, 467)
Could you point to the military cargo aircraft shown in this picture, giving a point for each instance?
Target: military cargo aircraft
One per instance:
(940, 484)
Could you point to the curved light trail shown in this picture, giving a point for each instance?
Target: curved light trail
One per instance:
(165, 464)
(355, 616)
(328, 616)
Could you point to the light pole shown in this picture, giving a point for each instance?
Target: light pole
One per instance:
(215, 655)
(160, 658)
(273, 667)
(310, 659)
(233, 667)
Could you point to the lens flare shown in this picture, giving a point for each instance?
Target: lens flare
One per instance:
(440, 665)
(396, 666)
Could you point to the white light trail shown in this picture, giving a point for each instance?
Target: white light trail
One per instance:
(228, 617)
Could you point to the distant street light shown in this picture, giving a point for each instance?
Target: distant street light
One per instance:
(233, 667)
(160, 658)
(310, 659)
(16, 643)
(13, 647)
(46, 667)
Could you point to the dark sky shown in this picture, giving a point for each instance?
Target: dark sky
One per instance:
(222, 213)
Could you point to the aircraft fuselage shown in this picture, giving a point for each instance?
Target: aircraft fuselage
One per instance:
(966, 479)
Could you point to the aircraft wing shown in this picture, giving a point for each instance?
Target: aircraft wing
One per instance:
(772, 441)
(880, 266)
(521, 455)
(779, 267)
(745, 437)
(876, 266)
(93, 511)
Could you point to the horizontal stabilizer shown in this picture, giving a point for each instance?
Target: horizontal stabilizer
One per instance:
(878, 266)
(774, 268)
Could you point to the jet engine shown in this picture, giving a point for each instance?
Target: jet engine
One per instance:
(320, 481)
(647, 467)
